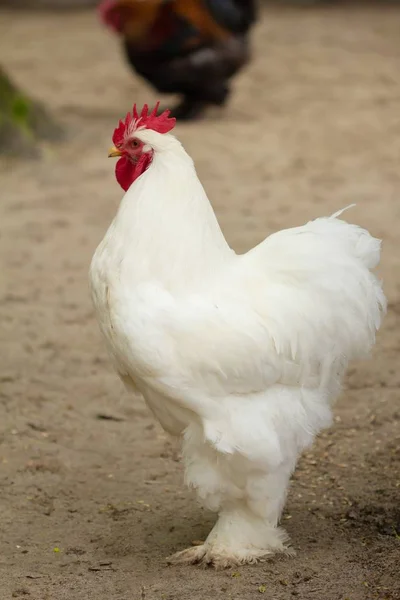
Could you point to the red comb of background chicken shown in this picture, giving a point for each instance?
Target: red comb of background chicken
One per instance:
(161, 123)
(110, 15)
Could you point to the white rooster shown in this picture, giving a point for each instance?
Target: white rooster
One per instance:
(240, 355)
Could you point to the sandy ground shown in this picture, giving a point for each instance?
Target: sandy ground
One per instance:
(89, 507)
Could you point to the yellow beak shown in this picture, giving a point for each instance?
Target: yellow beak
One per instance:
(114, 152)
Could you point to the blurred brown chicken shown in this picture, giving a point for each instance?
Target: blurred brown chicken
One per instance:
(186, 47)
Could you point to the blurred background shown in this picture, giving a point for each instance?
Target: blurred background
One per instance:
(290, 110)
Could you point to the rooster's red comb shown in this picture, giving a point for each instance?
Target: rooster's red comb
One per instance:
(162, 123)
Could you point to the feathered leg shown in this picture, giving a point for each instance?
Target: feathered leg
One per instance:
(238, 537)
(249, 503)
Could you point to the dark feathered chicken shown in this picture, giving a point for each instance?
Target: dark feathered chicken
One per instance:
(186, 47)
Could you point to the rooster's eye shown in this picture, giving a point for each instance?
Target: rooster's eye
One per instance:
(135, 144)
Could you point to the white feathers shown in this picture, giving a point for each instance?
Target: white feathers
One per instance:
(319, 300)
(338, 213)
(244, 355)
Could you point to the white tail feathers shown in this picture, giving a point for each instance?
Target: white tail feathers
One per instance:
(342, 210)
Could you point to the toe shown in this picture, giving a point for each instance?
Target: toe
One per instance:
(190, 556)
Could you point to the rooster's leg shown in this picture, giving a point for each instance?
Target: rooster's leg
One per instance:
(249, 501)
(194, 105)
(189, 109)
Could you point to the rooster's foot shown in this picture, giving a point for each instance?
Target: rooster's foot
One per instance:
(221, 558)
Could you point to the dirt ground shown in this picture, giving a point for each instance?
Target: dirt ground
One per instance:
(92, 498)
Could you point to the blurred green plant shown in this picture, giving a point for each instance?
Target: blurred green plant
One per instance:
(23, 122)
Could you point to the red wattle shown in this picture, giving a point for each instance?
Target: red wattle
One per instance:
(127, 171)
